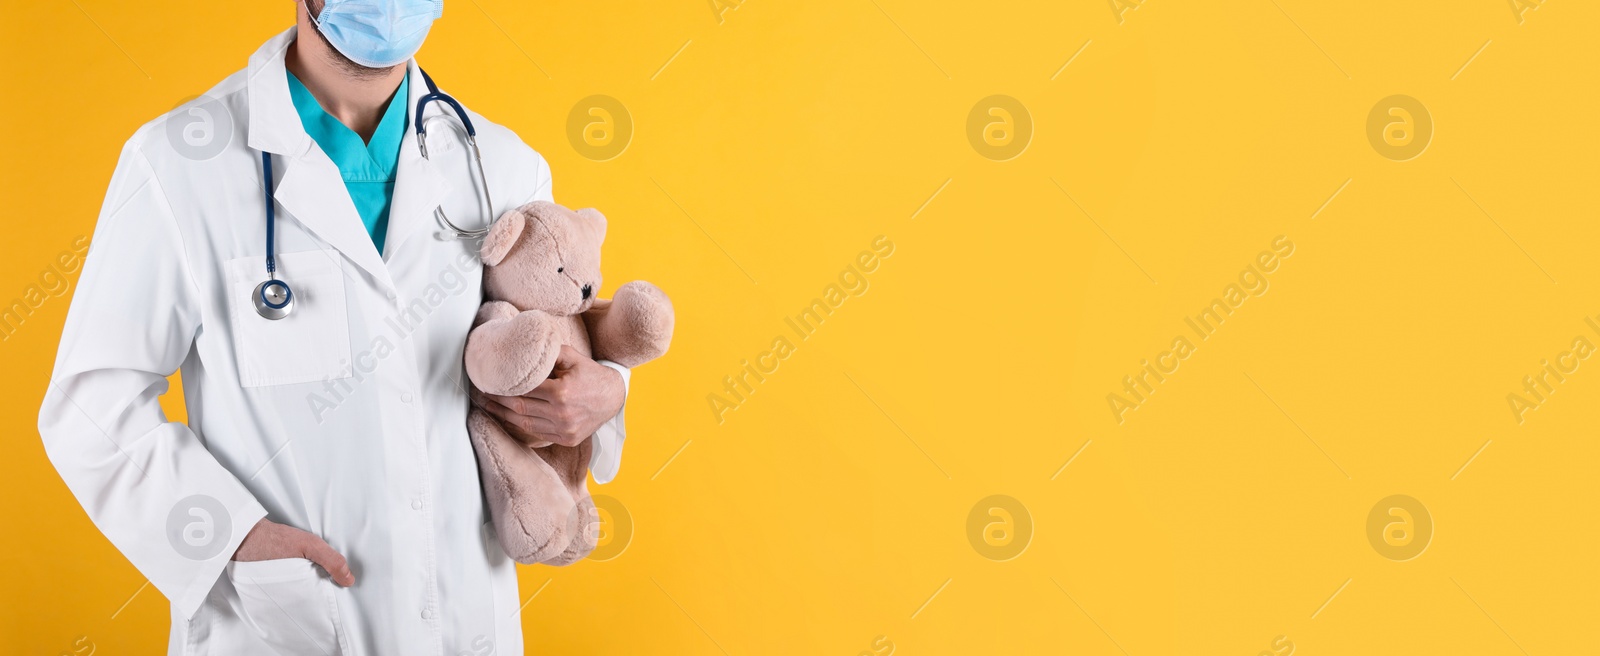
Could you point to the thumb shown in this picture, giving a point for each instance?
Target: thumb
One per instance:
(567, 358)
(317, 551)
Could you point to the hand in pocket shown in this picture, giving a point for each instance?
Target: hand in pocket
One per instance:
(269, 540)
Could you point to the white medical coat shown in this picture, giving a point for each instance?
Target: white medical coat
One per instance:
(346, 419)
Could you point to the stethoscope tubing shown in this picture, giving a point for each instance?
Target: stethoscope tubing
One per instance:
(435, 95)
(278, 310)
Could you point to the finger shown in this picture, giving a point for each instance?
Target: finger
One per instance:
(522, 425)
(550, 391)
(541, 440)
(541, 432)
(331, 561)
(504, 413)
(499, 406)
(568, 358)
(568, 439)
(507, 418)
(531, 438)
(519, 404)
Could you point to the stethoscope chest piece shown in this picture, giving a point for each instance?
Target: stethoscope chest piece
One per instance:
(273, 299)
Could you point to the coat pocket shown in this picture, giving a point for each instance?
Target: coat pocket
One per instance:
(288, 604)
(313, 342)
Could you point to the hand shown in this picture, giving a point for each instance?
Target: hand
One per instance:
(269, 540)
(566, 409)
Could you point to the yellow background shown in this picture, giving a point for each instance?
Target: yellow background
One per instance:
(828, 513)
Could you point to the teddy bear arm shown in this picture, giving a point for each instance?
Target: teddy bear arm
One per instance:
(635, 327)
(493, 310)
(510, 355)
(481, 343)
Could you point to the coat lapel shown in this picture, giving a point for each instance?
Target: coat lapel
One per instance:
(314, 194)
(311, 189)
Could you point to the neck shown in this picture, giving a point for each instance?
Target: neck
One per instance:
(355, 95)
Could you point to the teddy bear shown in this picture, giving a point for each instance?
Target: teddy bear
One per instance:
(541, 283)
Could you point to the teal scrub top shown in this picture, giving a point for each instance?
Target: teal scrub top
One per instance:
(368, 168)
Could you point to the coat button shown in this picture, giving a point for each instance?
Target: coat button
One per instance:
(427, 613)
(416, 504)
(405, 397)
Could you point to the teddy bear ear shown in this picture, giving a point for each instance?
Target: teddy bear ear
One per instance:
(595, 221)
(502, 236)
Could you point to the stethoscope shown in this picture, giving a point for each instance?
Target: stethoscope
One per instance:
(273, 298)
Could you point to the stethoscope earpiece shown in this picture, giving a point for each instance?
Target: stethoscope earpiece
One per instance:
(435, 95)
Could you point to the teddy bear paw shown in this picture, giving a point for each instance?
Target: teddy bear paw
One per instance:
(511, 357)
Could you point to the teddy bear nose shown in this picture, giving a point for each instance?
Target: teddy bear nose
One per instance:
(586, 291)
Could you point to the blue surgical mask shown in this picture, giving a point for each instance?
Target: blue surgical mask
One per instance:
(377, 33)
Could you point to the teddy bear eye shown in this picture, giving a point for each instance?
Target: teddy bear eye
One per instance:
(560, 269)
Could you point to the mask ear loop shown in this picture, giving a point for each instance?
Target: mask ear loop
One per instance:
(314, 17)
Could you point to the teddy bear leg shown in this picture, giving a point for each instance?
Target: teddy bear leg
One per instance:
(528, 500)
(584, 532)
(634, 328)
(572, 463)
(511, 356)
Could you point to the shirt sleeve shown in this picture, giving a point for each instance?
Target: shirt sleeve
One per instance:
(546, 189)
(606, 458)
(147, 483)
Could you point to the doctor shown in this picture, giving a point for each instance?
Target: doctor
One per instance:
(323, 497)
